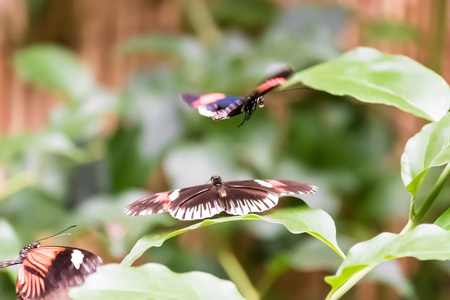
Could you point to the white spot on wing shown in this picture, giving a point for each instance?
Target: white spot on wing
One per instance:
(77, 258)
(203, 110)
(174, 195)
(264, 183)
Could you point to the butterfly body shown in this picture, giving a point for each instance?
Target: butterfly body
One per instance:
(48, 272)
(219, 106)
(233, 197)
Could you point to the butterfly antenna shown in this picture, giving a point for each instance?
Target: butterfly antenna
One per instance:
(61, 233)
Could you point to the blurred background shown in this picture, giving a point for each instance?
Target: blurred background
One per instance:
(91, 120)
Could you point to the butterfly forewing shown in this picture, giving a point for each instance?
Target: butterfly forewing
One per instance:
(273, 82)
(279, 187)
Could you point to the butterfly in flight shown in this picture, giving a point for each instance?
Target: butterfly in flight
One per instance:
(207, 200)
(48, 272)
(219, 106)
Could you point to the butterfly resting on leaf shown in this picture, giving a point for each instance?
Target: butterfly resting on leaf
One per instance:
(207, 200)
(219, 106)
(48, 272)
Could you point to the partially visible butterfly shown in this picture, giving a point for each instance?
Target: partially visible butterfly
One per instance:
(204, 201)
(48, 272)
(219, 106)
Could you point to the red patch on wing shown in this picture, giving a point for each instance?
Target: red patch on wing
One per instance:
(270, 84)
(277, 185)
(163, 198)
(207, 99)
(30, 285)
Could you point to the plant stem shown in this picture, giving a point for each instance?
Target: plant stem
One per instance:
(344, 288)
(237, 274)
(275, 268)
(201, 21)
(418, 216)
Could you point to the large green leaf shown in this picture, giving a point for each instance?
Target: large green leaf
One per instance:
(425, 242)
(55, 69)
(428, 148)
(372, 76)
(152, 281)
(299, 219)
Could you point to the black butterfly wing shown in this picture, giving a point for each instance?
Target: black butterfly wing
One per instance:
(243, 200)
(248, 196)
(199, 206)
(205, 201)
(239, 198)
(217, 106)
(273, 82)
(165, 201)
(49, 272)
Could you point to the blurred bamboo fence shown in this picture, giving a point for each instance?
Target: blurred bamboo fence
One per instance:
(93, 28)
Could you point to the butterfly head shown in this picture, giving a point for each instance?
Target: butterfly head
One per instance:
(260, 101)
(216, 181)
(23, 253)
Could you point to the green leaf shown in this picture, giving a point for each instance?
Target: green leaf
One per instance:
(297, 220)
(55, 142)
(372, 76)
(54, 68)
(428, 148)
(425, 242)
(444, 220)
(152, 281)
